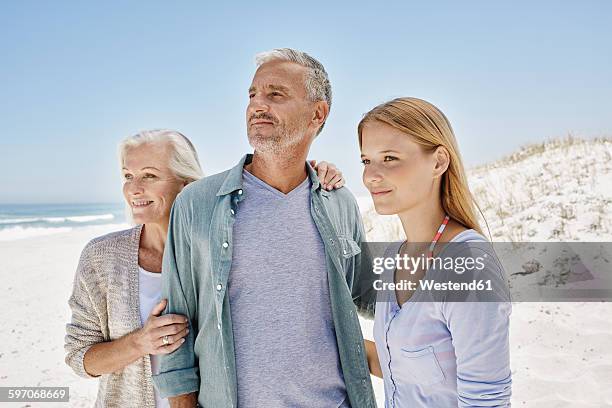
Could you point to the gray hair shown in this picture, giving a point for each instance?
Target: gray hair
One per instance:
(184, 162)
(318, 87)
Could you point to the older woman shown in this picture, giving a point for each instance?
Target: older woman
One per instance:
(116, 332)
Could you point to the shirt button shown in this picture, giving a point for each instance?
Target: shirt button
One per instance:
(239, 192)
(332, 241)
(232, 211)
(219, 287)
(344, 251)
(219, 326)
(225, 245)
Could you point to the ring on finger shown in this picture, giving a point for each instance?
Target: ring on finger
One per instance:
(166, 340)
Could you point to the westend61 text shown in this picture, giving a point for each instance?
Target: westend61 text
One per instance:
(432, 285)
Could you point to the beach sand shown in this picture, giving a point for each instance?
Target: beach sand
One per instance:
(37, 275)
(560, 351)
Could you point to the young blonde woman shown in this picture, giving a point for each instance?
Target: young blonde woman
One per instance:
(431, 353)
(116, 332)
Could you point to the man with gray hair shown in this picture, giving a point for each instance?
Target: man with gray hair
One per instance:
(264, 262)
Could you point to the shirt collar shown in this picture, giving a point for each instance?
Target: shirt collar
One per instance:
(233, 180)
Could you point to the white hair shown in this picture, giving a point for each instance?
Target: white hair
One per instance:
(318, 87)
(183, 161)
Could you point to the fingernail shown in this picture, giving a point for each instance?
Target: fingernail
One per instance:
(182, 340)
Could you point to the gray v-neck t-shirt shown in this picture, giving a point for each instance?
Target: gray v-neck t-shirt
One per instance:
(284, 337)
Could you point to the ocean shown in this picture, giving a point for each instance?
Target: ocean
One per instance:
(30, 220)
(19, 221)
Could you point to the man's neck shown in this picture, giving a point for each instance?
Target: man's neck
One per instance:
(283, 173)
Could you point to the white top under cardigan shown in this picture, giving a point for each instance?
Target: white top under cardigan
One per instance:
(149, 294)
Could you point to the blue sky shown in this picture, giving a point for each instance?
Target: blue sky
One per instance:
(76, 77)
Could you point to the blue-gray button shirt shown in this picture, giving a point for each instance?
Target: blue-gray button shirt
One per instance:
(196, 267)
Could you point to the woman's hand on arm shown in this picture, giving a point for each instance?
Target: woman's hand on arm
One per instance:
(329, 175)
(372, 356)
(150, 339)
(109, 357)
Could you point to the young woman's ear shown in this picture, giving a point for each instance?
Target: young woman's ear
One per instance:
(441, 160)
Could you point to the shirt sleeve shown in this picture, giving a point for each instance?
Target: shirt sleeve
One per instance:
(364, 295)
(179, 373)
(84, 329)
(480, 336)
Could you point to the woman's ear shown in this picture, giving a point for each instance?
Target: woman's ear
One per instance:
(441, 160)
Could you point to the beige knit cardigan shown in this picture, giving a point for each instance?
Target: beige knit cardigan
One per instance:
(105, 306)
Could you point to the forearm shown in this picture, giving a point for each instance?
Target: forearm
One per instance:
(184, 401)
(372, 356)
(111, 356)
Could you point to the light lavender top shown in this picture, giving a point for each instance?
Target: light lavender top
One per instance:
(445, 354)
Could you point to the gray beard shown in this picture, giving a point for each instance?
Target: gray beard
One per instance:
(282, 143)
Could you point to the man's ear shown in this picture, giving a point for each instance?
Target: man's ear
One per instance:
(441, 161)
(320, 113)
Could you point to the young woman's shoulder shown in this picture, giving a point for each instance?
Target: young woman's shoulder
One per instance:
(468, 235)
(478, 260)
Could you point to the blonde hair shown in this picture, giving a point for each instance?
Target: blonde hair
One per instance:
(430, 128)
